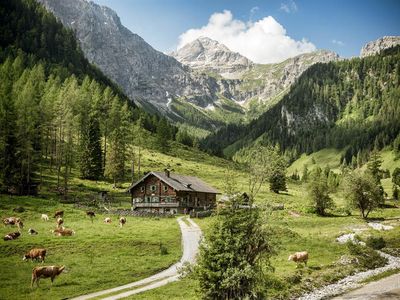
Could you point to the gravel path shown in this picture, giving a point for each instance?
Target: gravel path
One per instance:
(191, 235)
(351, 282)
(386, 288)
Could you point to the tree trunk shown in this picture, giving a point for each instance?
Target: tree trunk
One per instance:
(139, 163)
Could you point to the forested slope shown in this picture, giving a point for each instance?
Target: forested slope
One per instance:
(352, 104)
(56, 109)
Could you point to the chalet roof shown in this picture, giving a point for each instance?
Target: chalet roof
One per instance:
(180, 183)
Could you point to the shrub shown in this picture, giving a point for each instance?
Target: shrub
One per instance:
(367, 257)
(376, 243)
(163, 249)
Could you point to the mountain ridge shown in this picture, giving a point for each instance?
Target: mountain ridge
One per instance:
(209, 55)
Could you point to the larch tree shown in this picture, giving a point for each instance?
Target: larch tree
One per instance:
(118, 135)
(363, 193)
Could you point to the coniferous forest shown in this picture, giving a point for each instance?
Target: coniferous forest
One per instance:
(350, 104)
(56, 107)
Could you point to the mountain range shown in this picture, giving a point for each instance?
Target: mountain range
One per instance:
(203, 83)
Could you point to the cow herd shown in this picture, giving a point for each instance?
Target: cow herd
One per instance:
(39, 254)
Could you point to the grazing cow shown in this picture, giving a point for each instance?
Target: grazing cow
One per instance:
(59, 222)
(299, 257)
(11, 236)
(122, 221)
(45, 272)
(35, 254)
(32, 231)
(107, 220)
(13, 221)
(59, 214)
(63, 232)
(91, 214)
(44, 217)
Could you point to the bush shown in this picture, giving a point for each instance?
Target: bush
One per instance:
(376, 243)
(367, 257)
(163, 249)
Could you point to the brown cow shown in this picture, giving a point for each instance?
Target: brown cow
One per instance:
(59, 213)
(122, 221)
(13, 221)
(91, 214)
(11, 236)
(45, 272)
(299, 257)
(63, 232)
(59, 222)
(36, 254)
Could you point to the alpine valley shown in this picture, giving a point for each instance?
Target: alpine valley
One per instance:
(203, 84)
(126, 172)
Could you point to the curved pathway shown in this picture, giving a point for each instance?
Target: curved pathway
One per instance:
(386, 288)
(191, 235)
(351, 282)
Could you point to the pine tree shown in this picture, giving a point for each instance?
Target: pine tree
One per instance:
(8, 141)
(27, 95)
(115, 166)
(374, 166)
(163, 135)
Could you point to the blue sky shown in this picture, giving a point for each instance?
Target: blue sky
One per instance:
(342, 26)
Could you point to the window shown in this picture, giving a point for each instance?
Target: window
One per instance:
(153, 188)
(142, 188)
(165, 188)
(155, 200)
(168, 199)
(147, 199)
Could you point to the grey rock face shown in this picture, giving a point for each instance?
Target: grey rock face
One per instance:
(145, 75)
(263, 82)
(208, 55)
(378, 45)
(153, 79)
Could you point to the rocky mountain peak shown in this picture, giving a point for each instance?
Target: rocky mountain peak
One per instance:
(209, 55)
(147, 76)
(378, 45)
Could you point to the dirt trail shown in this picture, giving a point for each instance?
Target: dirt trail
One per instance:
(191, 235)
(386, 288)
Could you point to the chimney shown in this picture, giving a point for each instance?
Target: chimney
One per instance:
(166, 172)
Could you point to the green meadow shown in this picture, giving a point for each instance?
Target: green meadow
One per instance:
(102, 255)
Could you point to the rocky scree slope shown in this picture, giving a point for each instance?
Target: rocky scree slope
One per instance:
(374, 47)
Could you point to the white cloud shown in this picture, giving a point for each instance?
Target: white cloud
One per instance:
(337, 42)
(289, 6)
(263, 41)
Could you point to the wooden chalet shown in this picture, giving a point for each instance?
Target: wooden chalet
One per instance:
(165, 192)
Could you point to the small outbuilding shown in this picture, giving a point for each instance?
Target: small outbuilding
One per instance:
(166, 192)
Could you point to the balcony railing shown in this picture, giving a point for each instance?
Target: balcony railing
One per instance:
(156, 204)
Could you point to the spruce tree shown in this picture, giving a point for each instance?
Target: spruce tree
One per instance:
(232, 258)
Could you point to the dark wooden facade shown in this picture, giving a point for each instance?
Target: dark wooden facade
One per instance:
(153, 194)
